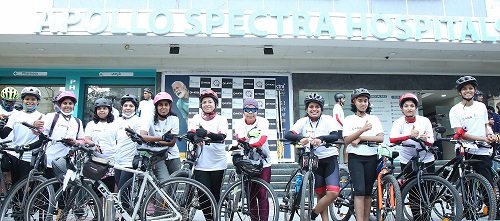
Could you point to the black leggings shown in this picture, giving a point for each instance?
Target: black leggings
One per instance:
(213, 181)
(362, 170)
(19, 169)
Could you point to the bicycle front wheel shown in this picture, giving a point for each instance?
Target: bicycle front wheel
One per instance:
(15, 202)
(307, 196)
(179, 198)
(431, 198)
(478, 196)
(391, 200)
(259, 201)
(343, 207)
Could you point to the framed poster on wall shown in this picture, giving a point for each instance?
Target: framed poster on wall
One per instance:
(271, 90)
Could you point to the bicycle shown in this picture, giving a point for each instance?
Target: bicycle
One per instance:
(187, 169)
(387, 197)
(16, 199)
(477, 192)
(299, 198)
(158, 202)
(426, 194)
(241, 199)
(496, 186)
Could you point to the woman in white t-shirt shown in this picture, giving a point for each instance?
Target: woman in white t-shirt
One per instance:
(101, 131)
(212, 161)
(315, 128)
(163, 122)
(126, 149)
(255, 130)
(359, 129)
(62, 125)
(22, 135)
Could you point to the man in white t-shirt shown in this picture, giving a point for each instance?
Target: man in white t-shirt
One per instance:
(338, 114)
(469, 119)
(146, 106)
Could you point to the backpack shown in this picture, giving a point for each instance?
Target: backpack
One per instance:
(56, 117)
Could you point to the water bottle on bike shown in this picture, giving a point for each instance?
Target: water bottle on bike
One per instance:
(298, 182)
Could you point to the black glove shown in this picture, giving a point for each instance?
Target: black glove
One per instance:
(201, 132)
(136, 138)
(197, 139)
(168, 137)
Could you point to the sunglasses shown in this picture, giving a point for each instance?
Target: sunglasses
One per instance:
(250, 109)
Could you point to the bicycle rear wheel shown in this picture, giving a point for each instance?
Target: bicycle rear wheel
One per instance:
(129, 193)
(182, 197)
(307, 196)
(392, 202)
(434, 199)
(15, 201)
(479, 198)
(342, 208)
(258, 203)
(39, 203)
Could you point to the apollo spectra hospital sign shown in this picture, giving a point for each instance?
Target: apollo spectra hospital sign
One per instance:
(268, 24)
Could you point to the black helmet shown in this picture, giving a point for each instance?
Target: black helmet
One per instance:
(102, 102)
(59, 167)
(314, 97)
(339, 96)
(465, 80)
(129, 97)
(250, 167)
(360, 92)
(479, 93)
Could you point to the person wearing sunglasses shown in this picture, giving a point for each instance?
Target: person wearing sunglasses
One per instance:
(254, 130)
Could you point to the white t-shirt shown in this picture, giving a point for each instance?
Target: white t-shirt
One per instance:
(163, 126)
(473, 119)
(322, 127)
(402, 128)
(146, 109)
(338, 115)
(353, 123)
(126, 149)
(213, 156)
(103, 134)
(22, 135)
(241, 129)
(7, 113)
(63, 129)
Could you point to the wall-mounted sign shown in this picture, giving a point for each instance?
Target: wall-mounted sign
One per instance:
(116, 74)
(30, 73)
(269, 24)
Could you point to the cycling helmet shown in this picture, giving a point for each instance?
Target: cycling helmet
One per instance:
(31, 91)
(210, 93)
(65, 95)
(162, 96)
(479, 93)
(339, 96)
(148, 90)
(10, 94)
(314, 97)
(59, 168)
(249, 167)
(129, 97)
(360, 92)
(408, 96)
(465, 80)
(250, 102)
(102, 102)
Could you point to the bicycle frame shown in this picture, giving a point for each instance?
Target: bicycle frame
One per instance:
(385, 170)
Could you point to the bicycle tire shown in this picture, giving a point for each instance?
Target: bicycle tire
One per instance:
(175, 188)
(126, 194)
(38, 203)
(472, 209)
(307, 196)
(12, 205)
(444, 193)
(289, 201)
(393, 209)
(343, 207)
(232, 199)
(181, 173)
(497, 192)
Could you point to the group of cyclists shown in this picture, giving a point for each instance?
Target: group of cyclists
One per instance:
(159, 124)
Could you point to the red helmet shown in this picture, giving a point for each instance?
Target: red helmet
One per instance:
(162, 96)
(64, 95)
(408, 96)
(209, 93)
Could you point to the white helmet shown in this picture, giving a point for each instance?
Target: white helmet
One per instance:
(31, 91)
